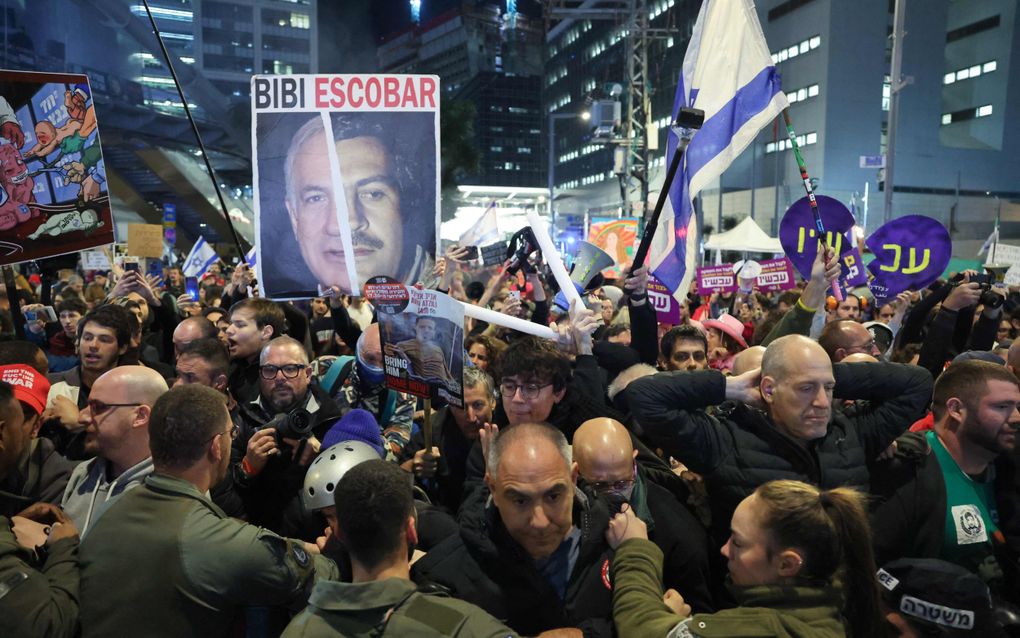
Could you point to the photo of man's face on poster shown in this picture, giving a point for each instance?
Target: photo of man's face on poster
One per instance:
(387, 168)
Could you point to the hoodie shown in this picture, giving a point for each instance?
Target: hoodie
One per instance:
(90, 491)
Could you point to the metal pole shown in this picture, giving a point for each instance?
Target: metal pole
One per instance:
(549, 173)
(775, 140)
(754, 166)
(895, 85)
(198, 138)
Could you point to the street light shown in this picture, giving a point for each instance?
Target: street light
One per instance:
(552, 161)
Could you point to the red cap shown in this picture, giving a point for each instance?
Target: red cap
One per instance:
(29, 386)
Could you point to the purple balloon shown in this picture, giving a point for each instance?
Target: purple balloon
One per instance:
(910, 253)
(800, 239)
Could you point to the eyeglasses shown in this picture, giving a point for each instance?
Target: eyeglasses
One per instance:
(528, 390)
(290, 371)
(97, 407)
(622, 485)
(234, 431)
(864, 346)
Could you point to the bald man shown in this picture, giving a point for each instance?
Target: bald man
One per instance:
(607, 462)
(779, 423)
(192, 329)
(747, 360)
(844, 337)
(116, 422)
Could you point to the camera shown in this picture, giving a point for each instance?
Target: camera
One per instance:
(296, 424)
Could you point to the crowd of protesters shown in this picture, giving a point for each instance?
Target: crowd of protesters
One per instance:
(778, 464)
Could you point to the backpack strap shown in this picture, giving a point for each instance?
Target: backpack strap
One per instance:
(337, 374)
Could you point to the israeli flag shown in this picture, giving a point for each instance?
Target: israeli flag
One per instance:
(728, 73)
(202, 256)
(249, 257)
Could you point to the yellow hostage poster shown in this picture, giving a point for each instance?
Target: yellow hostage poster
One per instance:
(616, 236)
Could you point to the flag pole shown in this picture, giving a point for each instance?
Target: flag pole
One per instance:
(688, 120)
(819, 226)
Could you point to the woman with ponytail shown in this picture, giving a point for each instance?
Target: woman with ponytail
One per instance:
(800, 565)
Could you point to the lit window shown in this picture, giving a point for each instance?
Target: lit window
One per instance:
(770, 147)
(793, 51)
(804, 47)
(988, 67)
(812, 138)
(801, 95)
(815, 42)
(975, 70)
(963, 74)
(300, 21)
(947, 118)
(984, 111)
(812, 90)
(949, 78)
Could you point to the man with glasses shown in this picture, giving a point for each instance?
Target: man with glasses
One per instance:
(269, 468)
(607, 464)
(165, 561)
(454, 431)
(845, 337)
(116, 423)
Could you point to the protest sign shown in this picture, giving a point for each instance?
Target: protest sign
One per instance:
(1003, 254)
(615, 236)
(422, 334)
(910, 253)
(769, 275)
(346, 180)
(54, 198)
(95, 260)
(145, 240)
(716, 279)
(776, 274)
(667, 308)
(799, 237)
(494, 254)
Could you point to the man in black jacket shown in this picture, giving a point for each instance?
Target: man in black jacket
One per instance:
(778, 421)
(940, 491)
(269, 458)
(534, 555)
(607, 464)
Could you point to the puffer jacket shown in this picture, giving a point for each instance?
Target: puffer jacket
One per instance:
(739, 448)
(486, 567)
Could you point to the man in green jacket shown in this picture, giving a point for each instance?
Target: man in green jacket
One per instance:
(165, 561)
(38, 585)
(375, 522)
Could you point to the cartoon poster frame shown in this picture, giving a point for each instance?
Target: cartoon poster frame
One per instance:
(53, 187)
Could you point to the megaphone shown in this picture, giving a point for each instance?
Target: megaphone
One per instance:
(997, 271)
(586, 274)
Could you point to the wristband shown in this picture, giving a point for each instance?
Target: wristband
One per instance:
(247, 468)
(638, 297)
(805, 307)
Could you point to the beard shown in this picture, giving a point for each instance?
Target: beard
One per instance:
(977, 433)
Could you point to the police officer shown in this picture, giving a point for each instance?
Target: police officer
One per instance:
(165, 561)
(44, 601)
(375, 522)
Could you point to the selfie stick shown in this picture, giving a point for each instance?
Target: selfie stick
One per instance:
(688, 120)
(819, 226)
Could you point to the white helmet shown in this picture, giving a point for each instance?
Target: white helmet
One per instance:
(328, 468)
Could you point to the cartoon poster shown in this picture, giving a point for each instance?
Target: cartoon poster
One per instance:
(53, 195)
(382, 158)
(422, 333)
(615, 236)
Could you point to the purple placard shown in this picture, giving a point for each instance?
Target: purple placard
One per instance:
(667, 308)
(716, 279)
(799, 237)
(776, 274)
(854, 273)
(910, 253)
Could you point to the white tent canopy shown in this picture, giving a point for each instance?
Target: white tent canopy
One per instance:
(746, 236)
